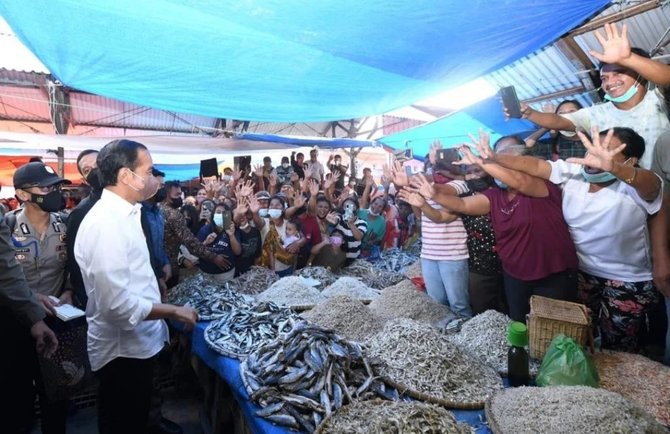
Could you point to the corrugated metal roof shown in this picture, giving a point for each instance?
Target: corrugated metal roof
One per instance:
(548, 70)
(24, 103)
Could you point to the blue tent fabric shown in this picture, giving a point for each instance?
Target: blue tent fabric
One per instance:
(452, 130)
(321, 142)
(284, 60)
(229, 370)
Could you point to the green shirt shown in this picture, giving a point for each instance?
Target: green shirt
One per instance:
(376, 229)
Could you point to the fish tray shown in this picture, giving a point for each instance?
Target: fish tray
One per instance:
(427, 398)
(490, 420)
(549, 317)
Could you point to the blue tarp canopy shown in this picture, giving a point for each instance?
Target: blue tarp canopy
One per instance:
(321, 142)
(452, 130)
(284, 60)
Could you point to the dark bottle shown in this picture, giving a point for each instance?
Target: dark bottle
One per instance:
(517, 356)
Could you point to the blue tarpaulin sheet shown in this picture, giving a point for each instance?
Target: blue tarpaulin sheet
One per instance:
(452, 130)
(284, 60)
(229, 370)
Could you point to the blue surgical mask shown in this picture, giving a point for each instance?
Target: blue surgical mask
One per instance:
(597, 178)
(218, 220)
(275, 213)
(631, 92)
(501, 184)
(263, 212)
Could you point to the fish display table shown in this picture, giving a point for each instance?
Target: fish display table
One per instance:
(229, 370)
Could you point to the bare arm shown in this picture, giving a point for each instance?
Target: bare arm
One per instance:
(658, 231)
(471, 205)
(533, 138)
(529, 165)
(616, 49)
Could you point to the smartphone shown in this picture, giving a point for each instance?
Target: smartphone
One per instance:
(227, 218)
(448, 155)
(511, 101)
(408, 170)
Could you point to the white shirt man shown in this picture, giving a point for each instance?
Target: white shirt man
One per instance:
(124, 311)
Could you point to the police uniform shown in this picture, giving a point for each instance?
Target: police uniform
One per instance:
(43, 258)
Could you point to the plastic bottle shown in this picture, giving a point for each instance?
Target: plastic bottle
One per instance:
(517, 356)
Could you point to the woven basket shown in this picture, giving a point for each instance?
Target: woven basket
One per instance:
(549, 317)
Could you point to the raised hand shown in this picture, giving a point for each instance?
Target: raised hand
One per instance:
(398, 175)
(313, 187)
(422, 186)
(258, 170)
(482, 144)
(333, 218)
(412, 197)
(599, 155)
(242, 206)
(468, 158)
(244, 189)
(273, 180)
(308, 173)
(254, 204)
(616, 46)
(237, 174)
(298, 200)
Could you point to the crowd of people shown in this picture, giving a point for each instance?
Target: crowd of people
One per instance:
(578, 217)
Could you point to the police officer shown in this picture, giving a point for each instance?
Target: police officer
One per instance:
(38, 235)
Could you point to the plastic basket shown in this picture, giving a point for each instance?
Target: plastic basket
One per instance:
(549, 317)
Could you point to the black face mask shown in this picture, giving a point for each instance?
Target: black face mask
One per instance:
(176, 202)
(480, 184)
(50, 202)
(93, 180)
(160, 195)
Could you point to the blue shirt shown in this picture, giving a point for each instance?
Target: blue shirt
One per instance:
(155, 229)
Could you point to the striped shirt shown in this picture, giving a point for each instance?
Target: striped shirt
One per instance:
(352, 246)
(444, 241)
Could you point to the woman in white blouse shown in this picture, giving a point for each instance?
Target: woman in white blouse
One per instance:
(607, 199)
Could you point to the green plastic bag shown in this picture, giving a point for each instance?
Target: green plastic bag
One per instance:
(567, 364)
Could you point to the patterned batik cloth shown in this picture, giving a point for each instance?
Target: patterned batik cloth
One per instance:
(618, 309)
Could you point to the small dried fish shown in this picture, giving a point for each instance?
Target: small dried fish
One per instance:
(371, 276)
(347, 316)
(351, 287)
(422, 360)
(199, 283)
(403, 300)
(394, 260)
(637, 378)
(311, 372)
(484, 336)
(568, 409)
(254, 281)
(292, 291)
(243, 329)
(389, 417)
(322, 274)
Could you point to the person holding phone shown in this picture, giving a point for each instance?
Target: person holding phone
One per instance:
(353, 227)
(219, 238)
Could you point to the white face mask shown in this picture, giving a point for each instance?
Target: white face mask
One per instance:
(285, 165)
(218, 220)
(244, 226)
(227, 177)
(275, 213)
(263, 212)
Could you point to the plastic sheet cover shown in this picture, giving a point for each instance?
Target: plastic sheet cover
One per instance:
(284, 60)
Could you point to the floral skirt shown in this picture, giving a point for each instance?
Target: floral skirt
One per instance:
(618, 309)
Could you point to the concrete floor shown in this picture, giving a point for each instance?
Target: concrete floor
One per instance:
(183, 409)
